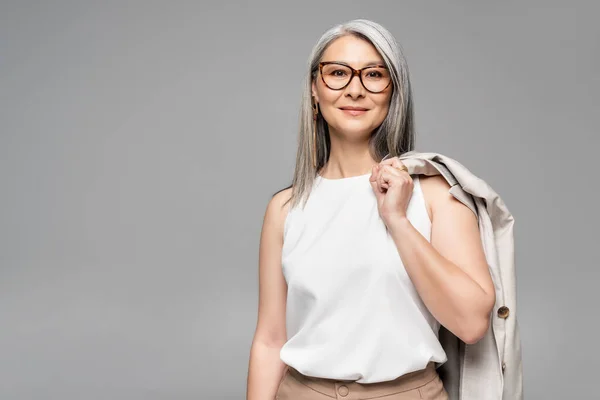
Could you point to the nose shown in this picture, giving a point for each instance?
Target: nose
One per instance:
(355, 88)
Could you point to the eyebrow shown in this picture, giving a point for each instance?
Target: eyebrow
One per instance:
(369, 64)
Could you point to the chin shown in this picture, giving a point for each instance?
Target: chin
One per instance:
(357, 129)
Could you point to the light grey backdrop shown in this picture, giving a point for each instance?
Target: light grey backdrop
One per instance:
(141, 141)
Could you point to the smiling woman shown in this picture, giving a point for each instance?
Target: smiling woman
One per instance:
(360, 263)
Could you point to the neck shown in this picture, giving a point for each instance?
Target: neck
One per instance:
(348, 160)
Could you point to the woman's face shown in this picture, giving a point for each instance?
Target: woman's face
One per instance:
(357, 53)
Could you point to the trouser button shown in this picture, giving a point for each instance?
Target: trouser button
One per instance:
(343, 390)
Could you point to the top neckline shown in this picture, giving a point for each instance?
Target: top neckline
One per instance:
(346, 179)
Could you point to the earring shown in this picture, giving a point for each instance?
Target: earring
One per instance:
(314, 146)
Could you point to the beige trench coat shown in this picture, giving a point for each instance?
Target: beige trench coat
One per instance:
(490, 369)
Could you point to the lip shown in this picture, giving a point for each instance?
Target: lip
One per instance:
(354, 111)
(354, 108)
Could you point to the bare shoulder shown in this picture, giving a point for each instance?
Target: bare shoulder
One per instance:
(277, 210)
(436, 192)
(434, 188)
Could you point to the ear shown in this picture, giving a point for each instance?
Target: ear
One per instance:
(314, 91)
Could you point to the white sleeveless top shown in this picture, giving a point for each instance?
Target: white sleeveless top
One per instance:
(352, 311)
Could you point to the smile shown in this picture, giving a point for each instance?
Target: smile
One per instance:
(353, 112)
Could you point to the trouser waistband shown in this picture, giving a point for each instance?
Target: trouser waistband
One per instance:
(330, 387)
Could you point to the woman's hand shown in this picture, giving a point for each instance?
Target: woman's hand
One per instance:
(393, 189)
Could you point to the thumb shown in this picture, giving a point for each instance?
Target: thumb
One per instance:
(373, 181)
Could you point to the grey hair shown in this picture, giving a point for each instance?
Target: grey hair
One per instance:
(395, 135)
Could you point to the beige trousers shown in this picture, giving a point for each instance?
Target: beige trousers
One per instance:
(423, 384)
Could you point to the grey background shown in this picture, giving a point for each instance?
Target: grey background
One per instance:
(141, 141)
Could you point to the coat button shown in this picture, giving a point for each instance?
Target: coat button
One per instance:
(503, 367)
(343, 390)
(503, 312)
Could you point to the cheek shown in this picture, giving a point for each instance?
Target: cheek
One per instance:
(328, 103)
(329, 97)
(382, 113)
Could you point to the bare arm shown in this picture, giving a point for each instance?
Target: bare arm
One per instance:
(265, 369)
(451, 273)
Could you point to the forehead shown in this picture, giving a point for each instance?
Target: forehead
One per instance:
(353, 50)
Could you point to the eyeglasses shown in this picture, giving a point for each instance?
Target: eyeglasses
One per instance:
(336, 76)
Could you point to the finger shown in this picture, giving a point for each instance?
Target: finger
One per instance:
(403, 177)
(389, 174)
(391, 169)
(382, 184)
(373, 178)
(388, 161)
(375, 185)
(386, 174)
(396, 163)
(374, 173)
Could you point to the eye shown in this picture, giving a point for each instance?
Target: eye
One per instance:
(338, 72)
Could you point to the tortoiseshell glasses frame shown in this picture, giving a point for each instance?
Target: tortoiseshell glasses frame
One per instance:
(355, 72)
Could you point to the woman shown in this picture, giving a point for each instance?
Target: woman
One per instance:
(360, 262)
